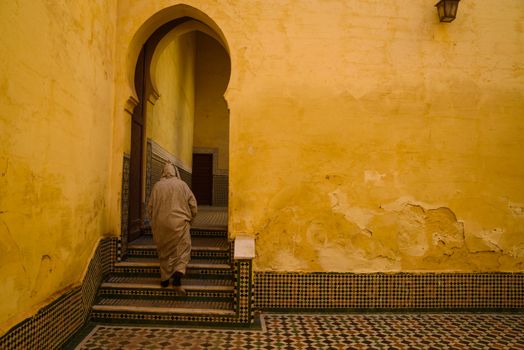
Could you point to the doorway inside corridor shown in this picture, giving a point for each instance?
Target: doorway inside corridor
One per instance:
(202, 179)
(181, 117)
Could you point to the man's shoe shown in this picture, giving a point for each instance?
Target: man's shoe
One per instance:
(164, 284)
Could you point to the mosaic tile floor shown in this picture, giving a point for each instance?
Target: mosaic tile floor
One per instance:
(210, 217)
(328, 331)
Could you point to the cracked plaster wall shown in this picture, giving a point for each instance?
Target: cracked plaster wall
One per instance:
(365, 135)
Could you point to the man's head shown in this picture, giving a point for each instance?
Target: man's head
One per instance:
(170, 170)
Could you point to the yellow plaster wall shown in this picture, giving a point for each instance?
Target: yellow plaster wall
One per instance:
(212, 73)
(369, 137)
(365, 135)
(56, 106)
(170, 120)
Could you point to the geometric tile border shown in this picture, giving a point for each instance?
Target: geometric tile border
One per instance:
(152, 253)
(52, 325)
(165, 293)
(391, 291)
(155, 270)
(244, 290)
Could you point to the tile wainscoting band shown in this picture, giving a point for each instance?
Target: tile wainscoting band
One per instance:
(53, 324)
(389, 291)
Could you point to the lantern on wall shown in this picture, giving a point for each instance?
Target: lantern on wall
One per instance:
(447, 10)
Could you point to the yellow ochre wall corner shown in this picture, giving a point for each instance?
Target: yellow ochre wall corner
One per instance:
(56, 106)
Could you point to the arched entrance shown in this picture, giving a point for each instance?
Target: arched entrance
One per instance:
(179, 110)
(180, 76)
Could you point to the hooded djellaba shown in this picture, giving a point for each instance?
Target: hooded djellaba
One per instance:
(171, 208)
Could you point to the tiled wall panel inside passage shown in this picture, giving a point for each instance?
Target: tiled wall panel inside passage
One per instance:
(220, 190)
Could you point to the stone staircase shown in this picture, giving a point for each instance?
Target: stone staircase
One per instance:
(218, 287)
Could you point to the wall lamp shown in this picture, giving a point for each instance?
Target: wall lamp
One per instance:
(447, 10)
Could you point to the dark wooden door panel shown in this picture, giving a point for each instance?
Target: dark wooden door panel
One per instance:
(135, 171)
(202, 178)
(135, 182)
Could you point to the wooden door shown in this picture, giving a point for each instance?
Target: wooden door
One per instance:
(137, 141)
(202, 178)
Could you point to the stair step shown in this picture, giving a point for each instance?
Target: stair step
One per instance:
(154, 283)
(223, 257)
(197, 268)
(197, 243)
(157, 286)
(202, 248)
(162, 306)
(143, 287)
(210, 231)
(200, 264)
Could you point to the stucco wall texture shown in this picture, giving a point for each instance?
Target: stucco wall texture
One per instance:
(56, 106)
(364, 135)
(367, 136)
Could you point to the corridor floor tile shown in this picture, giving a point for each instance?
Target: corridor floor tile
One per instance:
(210, 217)
(327, 331)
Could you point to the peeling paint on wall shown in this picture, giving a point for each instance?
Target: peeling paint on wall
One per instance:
(399, 236)
(516, 208)
(374, 177)
(359, 216)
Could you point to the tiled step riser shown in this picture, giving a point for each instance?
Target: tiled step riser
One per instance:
(197, 320)
(224, 256)
(208, 233)
(229, 277)
(155, 272)
(198, 233)
(196, 260)
(165, 293)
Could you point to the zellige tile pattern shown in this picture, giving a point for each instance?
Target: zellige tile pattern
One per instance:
(328, 331)
(381, 291)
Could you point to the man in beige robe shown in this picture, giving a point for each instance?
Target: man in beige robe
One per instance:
(171, 208)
